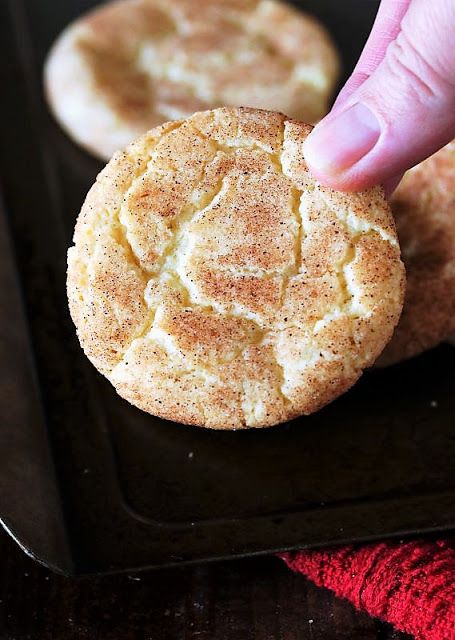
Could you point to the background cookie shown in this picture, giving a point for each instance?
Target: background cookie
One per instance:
(214, 282)
(131, 65)
(424, 210)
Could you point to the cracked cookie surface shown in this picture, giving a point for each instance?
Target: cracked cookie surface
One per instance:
(424, 210)
(214, 282)
(130, 65)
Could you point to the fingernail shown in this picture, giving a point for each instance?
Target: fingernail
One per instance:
(341, 141)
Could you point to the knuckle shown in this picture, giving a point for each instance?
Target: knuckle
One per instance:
(411, 67)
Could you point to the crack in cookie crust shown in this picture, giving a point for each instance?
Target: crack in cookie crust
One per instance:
(263, 295)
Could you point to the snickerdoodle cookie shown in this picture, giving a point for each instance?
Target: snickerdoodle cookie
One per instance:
(131, 65)
(214, 282)
(424, 210)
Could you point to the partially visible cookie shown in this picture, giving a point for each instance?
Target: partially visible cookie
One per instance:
(130, 65)
(424, 209)
(214, 282)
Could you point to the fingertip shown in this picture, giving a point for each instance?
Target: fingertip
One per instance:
(338, 142)
(350, 182)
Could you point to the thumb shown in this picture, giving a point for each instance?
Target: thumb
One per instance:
(403, 112)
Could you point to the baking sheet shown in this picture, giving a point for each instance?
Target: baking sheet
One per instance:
(88, 483)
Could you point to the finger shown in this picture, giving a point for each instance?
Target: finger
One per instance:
(385, 29)
(402, 113)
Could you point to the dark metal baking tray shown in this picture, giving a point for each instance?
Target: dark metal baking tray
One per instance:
(90, 484)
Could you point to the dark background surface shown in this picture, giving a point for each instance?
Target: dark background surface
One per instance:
(256, 599)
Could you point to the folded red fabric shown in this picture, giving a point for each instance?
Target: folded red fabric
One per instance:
(409, 584)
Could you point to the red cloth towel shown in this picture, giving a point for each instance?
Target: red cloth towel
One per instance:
(409, 584)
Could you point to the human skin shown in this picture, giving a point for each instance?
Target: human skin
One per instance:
(398, 106)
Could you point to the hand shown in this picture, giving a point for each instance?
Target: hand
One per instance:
(398, 107)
